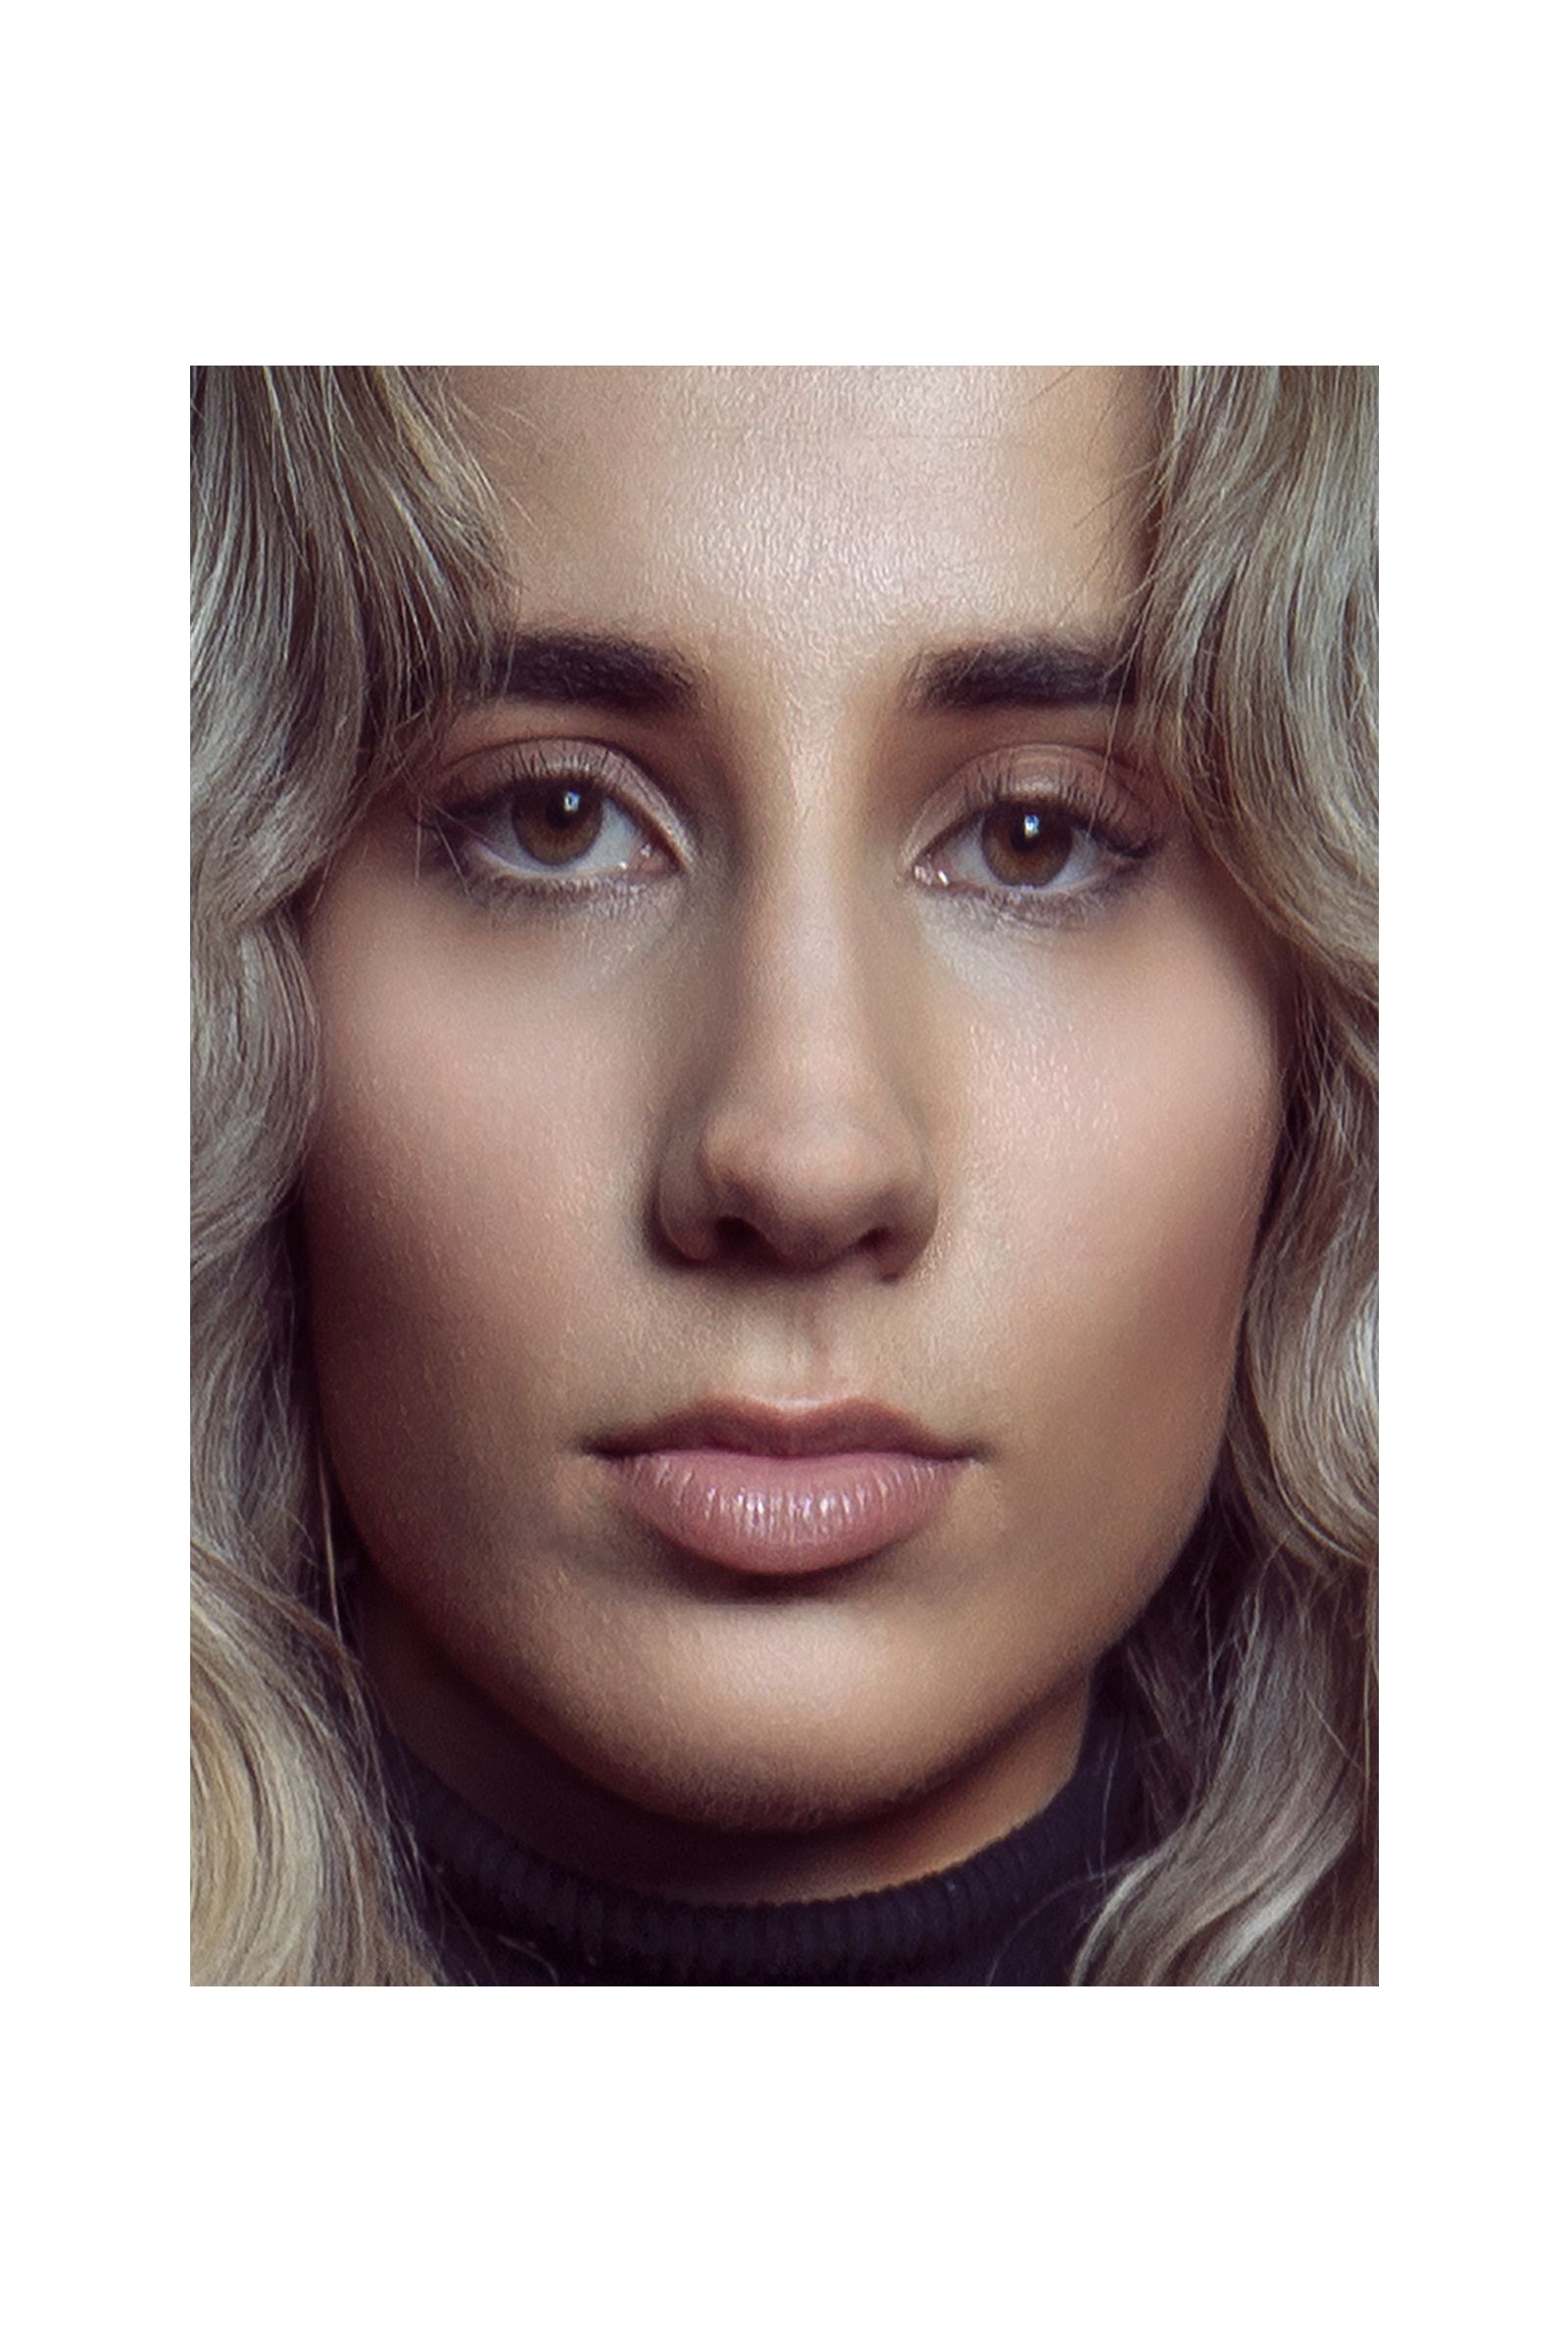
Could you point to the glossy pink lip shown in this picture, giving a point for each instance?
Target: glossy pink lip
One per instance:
(773, 1491)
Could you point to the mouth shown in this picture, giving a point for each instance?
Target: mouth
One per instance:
(782, 1491)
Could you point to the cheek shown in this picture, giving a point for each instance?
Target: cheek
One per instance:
(1122, 1156)
(466, 1211)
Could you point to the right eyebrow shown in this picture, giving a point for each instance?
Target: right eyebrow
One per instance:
(566, 665)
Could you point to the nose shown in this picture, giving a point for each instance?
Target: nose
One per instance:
(796, 1140)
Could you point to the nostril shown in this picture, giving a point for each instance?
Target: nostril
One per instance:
(741, 1241)
(810, 1246)
(736, 1242)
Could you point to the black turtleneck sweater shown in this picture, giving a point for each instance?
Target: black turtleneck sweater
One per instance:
(1012, 1914)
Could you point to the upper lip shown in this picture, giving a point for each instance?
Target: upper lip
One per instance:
(745, 1426)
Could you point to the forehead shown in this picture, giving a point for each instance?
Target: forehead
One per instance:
(832, 513)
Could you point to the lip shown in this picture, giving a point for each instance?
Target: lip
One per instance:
(851, 1425)
(783, 1489)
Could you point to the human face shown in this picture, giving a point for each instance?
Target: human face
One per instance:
(866, 1030)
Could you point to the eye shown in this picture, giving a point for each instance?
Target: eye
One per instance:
(555, 825)
(1021, 844)
(551, 826)
(1049, 849)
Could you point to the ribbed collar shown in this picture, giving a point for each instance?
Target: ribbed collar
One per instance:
(1012, 1914)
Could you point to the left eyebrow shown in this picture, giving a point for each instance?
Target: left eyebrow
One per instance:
(1021, 673)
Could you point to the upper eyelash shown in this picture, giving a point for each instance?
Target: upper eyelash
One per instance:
(583, 763)
(447, 818)
(1101, 815)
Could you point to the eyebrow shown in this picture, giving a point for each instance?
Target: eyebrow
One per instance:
(1021, 673)
(566, 665)
(626, 674)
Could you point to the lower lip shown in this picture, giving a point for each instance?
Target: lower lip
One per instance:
(767, 1515)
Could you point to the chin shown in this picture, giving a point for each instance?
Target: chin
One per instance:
(770, 1789)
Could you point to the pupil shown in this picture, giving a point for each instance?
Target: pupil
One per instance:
(1026, 845)
(558, 822)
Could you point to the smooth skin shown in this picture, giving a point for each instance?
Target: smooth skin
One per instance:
(788, 1093)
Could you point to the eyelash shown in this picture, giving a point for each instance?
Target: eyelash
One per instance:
(1087, 802)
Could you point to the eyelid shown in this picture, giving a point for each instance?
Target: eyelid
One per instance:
(1087, 786)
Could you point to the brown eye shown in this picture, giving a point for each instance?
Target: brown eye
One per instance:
(1023, 845)
(556, 823)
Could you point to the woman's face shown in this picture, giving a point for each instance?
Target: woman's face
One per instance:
(784, 996)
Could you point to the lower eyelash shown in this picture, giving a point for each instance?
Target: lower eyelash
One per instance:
(489, 886)
(1044, 910)
(1061, 911)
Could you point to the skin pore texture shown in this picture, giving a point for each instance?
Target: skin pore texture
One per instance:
(783, 1073)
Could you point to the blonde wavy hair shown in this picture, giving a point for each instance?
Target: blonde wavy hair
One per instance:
(345, 574)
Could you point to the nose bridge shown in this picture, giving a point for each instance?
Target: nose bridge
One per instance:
(801, 1130)
(803, 1017)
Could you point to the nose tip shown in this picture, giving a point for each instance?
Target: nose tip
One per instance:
(751, 1184)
